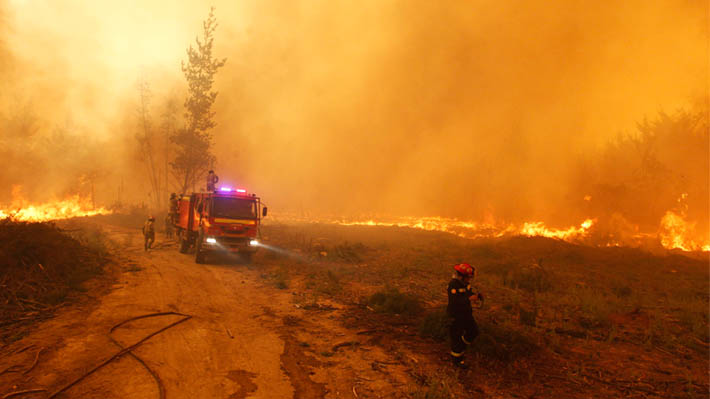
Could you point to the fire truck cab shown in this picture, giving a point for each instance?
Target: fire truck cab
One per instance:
(226, 220)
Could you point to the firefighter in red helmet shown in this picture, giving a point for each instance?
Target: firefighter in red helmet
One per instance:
(463, 328)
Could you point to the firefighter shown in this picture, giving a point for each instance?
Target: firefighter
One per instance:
(173, 207)
(149, 232)
(463, 328)
(212, 179)
(168, 226)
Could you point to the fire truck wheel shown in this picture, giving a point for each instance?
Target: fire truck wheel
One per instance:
(199, 257)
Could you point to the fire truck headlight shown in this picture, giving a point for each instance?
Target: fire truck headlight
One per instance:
(253, 243)
(211, 240)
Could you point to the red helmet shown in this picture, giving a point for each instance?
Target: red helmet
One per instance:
(465, 269)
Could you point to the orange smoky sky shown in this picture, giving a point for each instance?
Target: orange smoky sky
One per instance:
(459, 108)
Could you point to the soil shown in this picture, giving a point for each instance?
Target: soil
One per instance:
(249, 337)
(245, 339)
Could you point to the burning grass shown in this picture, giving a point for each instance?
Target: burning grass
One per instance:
(41, 265)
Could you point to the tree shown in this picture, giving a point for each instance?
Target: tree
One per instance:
(169, 127)
(145, 141)
(193, 157)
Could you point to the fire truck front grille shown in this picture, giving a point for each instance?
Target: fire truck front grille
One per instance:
(233, 240)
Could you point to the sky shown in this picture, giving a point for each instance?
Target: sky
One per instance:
(470, 109)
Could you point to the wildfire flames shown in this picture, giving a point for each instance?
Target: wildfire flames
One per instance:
(65, 209)
(675, 231)
(484, 230)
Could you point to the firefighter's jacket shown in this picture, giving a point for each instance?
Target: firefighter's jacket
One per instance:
(148, 229)
(460, 295)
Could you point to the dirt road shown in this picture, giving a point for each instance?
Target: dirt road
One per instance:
(245, 339)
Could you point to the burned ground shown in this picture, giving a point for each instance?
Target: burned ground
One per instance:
(603, 321)
(357, 311)
(42, 267)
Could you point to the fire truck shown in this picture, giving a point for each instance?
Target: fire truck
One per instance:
(226, 220)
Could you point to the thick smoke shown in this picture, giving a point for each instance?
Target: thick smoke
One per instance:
(469, 109)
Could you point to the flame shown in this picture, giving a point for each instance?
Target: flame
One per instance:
(469, 229)
(75, 206)
(677, 232)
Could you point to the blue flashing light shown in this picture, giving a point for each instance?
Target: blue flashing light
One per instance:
(225, 189)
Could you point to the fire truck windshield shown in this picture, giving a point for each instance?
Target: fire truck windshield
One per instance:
(233, 208)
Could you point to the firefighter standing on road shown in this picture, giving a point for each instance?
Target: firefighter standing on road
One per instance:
(463, 327)
(149, 232)
(212, 179)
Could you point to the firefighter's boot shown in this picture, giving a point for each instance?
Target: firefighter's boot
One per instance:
(458, 360)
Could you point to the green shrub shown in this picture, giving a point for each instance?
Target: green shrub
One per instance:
(394, 302)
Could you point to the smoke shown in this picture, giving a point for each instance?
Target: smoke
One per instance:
(466, 109)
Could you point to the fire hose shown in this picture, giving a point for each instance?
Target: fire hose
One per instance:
(128, 350)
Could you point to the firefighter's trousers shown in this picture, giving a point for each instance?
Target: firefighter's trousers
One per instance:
(149, 239)
(463, 331)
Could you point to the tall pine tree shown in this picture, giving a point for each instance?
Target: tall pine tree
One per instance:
(194, 141)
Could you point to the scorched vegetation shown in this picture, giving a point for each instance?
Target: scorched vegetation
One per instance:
(41, 267)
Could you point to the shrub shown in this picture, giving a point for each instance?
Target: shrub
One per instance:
(433, 389)
(394, 302)
(527, 316)
(329, 283)
(43, 264)
(621, 290)
(349, 253)
(595, 308)
(532, 279)
(502, 342)
(435, 324)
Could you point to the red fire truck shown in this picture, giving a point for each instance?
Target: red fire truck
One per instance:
(226, 220)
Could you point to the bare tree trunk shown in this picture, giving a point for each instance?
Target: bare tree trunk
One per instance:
(146, 144)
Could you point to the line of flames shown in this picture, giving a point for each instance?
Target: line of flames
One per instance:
(467, 229)
(675, 232)
(71, 207)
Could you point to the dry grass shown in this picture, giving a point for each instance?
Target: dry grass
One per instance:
(542, 295)
(41, 265)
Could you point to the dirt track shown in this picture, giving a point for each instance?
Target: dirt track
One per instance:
(245, 339)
